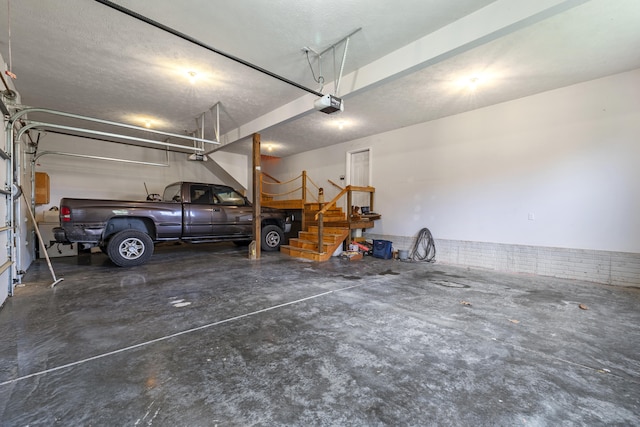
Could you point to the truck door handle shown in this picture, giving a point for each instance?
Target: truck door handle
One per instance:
(216, 209)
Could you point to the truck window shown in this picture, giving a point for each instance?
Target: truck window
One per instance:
(231, 198)
(201, 194)
(172, 193)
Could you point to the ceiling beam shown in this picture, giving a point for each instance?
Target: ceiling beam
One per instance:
(492, 22)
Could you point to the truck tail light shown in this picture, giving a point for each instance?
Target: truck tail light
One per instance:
(65, 214)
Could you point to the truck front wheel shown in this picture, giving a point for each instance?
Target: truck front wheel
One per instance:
(272, 237)
(128, 248)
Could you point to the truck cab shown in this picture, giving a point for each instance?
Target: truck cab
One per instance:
(188, 211)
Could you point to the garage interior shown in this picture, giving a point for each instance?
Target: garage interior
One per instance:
(509, 129)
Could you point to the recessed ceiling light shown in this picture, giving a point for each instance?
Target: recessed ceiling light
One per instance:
(340, 124)
(193, 76)
(477, 79)
(144, 120)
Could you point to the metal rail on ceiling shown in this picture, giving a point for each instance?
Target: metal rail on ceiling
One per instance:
(21, 113)
(44, 125)
(88, 156)
(197, 42)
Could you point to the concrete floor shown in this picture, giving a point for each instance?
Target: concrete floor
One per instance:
(200, 336)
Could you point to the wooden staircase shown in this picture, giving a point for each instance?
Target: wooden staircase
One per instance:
(318, 218)
(306, 245)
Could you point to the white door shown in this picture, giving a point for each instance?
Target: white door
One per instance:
(359, 175)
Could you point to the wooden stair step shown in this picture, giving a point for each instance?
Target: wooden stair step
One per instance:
(328, 213)
(308, 244)
(328, 230)
(305, 253)
(313, 237)
(312, 215)
(316, 207)
(283, 204)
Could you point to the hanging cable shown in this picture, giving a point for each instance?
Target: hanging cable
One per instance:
(320, 79)
(424, 248)
(9, 31)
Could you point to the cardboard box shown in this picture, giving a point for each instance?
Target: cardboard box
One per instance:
(351, 256)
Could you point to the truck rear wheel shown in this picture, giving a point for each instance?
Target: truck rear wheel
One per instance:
(272, 237)
(128, 248)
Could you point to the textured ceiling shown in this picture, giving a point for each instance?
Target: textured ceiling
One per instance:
(84, 57)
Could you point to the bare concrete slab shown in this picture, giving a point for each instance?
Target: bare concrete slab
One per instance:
(202, 336)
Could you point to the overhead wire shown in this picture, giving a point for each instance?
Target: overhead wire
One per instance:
(320, 79)
(197, 42)
(9, 34)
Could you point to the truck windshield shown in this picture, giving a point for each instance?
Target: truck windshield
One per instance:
(172, 193)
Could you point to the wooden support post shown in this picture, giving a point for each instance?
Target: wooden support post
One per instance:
(303, 220)
(304, 187)
(257, 195)
(371, 202)
(320, 233)
(349, 213)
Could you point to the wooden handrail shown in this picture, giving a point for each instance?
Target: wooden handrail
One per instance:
(334, 184)
(272, 178)
(303, 188)
(363, 189)
(347, 190)
(332, 202)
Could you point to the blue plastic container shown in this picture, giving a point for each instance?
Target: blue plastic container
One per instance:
(382, 249)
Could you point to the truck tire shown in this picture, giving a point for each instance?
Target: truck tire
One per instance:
(128, 248)
(272, 237)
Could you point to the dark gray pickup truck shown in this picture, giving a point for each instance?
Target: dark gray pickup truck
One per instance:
(192, 212)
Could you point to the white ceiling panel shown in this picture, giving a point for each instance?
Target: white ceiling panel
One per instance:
(84, 57)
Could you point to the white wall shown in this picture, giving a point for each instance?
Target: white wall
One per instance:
(79, 177)
(237, 165)
(570, 157)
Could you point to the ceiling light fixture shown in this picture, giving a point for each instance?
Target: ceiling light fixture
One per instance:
(147, 124)
(190, 39)
(473, 82)
(193, 76)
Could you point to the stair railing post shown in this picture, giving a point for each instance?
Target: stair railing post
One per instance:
(304, 186)
(349, 212)
(320, 233)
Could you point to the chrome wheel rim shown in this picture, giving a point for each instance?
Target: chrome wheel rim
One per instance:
(131, 248)
(272, 239)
